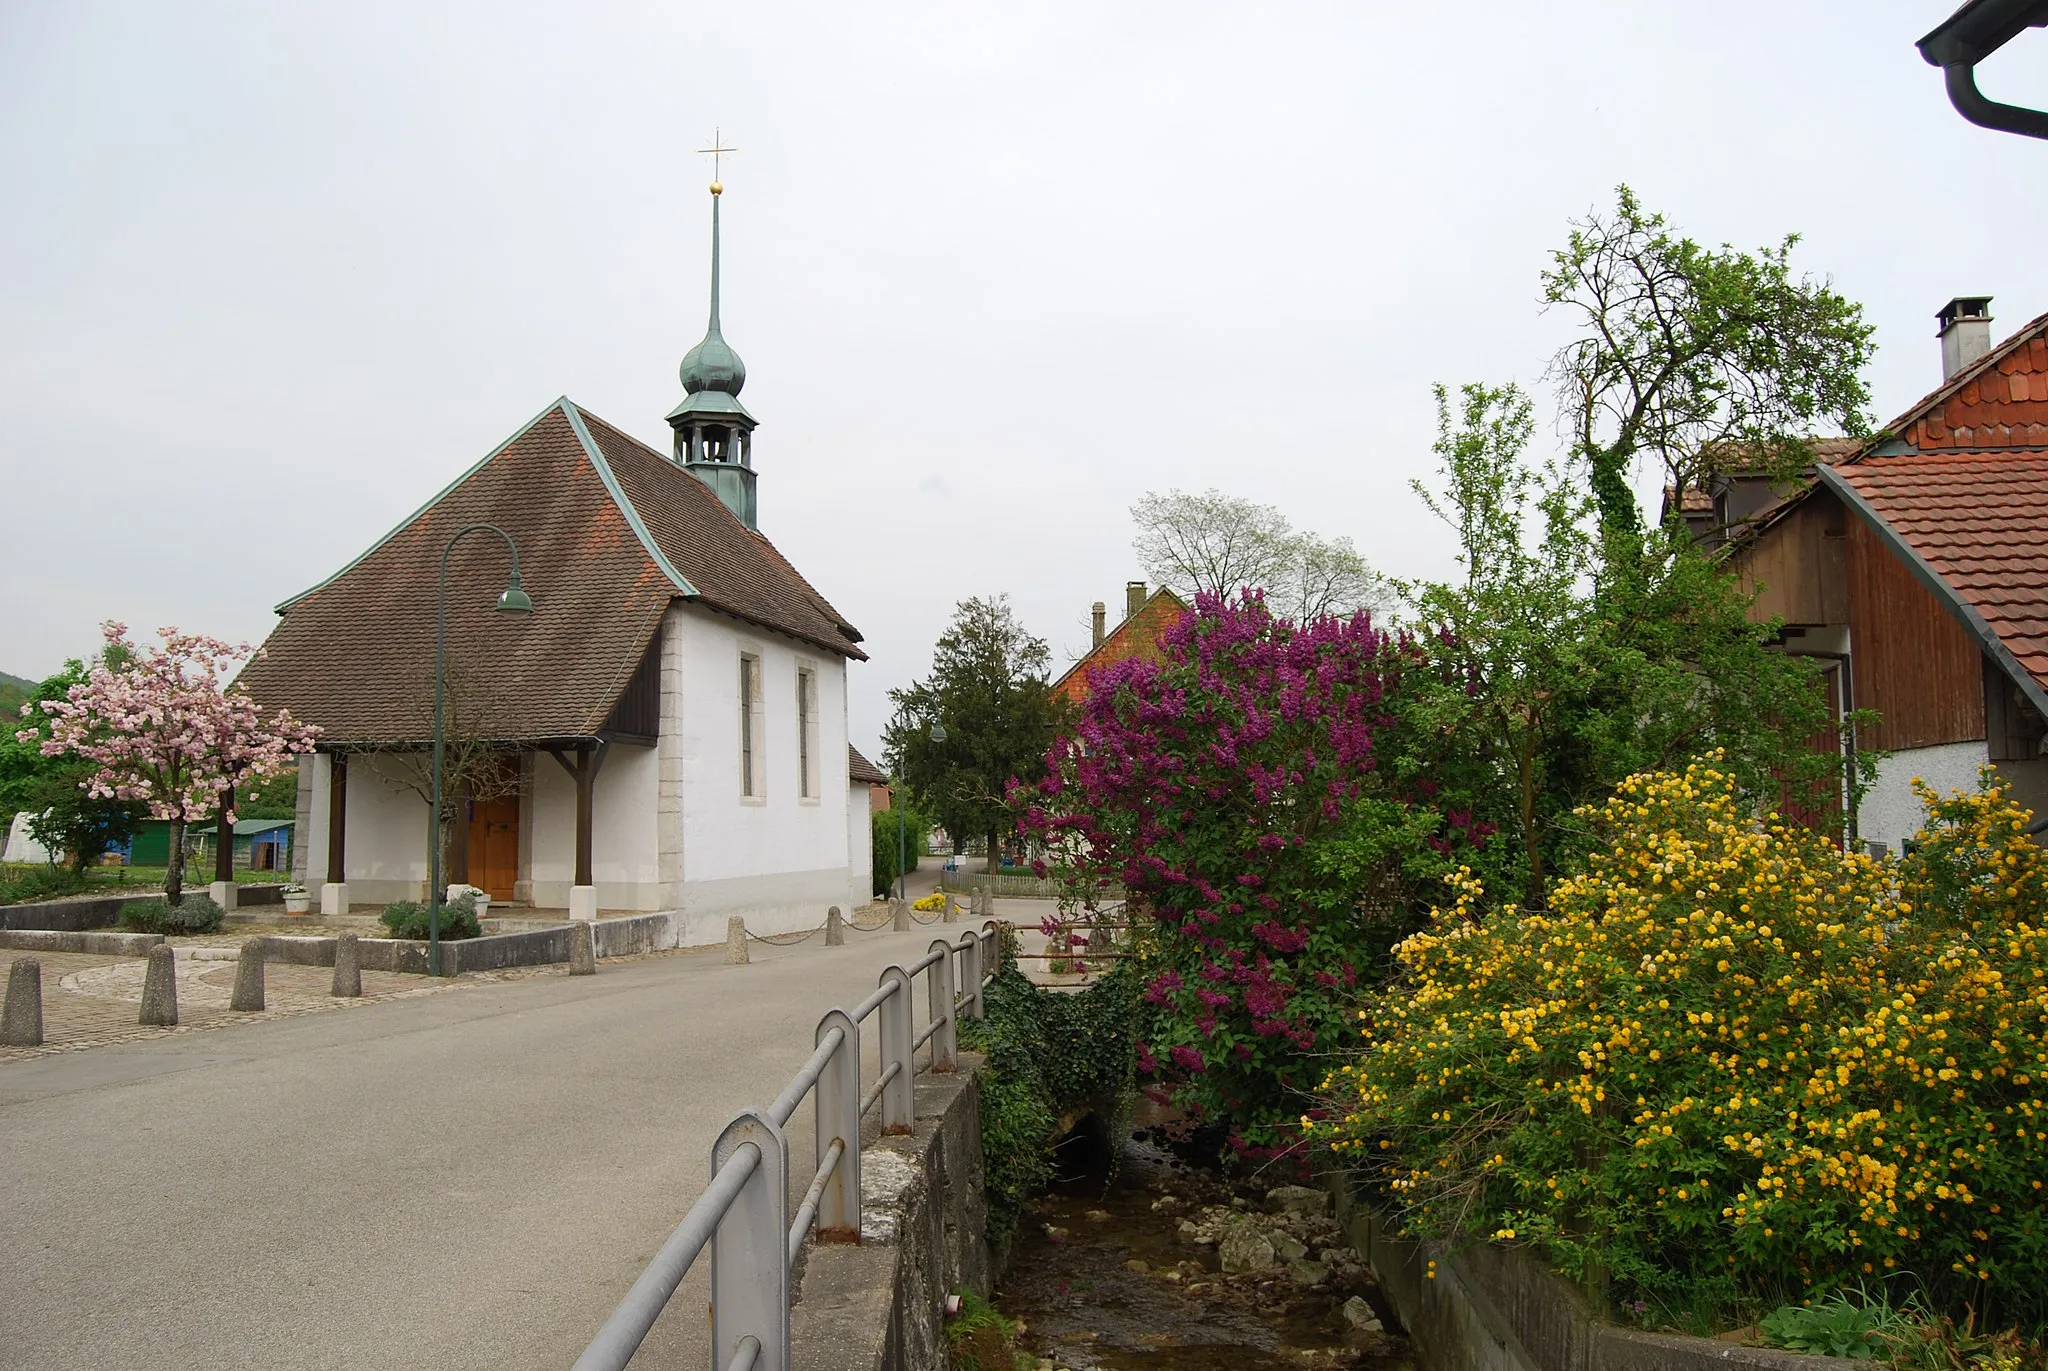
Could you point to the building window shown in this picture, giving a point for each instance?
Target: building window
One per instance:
(753, 726)
(807, 733)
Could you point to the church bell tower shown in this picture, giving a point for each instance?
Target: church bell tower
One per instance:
(714, 432)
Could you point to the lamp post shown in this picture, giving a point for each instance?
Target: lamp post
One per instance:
(512, 600)
(937, 733)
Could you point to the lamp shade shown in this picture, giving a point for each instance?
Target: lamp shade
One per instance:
(515, 600)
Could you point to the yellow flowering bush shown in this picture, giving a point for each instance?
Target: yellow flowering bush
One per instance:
(1731, 1064)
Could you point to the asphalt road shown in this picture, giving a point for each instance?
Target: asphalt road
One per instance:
(470, 1179)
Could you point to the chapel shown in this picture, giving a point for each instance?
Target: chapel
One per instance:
(665, 727)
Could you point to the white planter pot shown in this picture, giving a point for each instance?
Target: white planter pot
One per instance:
(298, 904)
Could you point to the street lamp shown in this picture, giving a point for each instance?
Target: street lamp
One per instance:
(512, 600)
(937, 733)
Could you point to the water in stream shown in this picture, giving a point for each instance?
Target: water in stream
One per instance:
(1105, 1278)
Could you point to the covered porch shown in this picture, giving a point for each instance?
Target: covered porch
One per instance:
(561, 828)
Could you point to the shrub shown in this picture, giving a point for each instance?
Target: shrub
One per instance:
(916, 828)
(408, 919)
(28, 884)
(1732, 1063)
(1234, 790)
(196, 914)
(1048, 1052)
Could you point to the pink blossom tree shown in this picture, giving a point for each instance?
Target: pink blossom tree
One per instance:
(167, 729)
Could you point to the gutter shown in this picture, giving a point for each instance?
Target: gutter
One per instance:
(1966, 38)
(1987, 637)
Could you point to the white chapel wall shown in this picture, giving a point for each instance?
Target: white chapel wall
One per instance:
(622, 831)
(779, 861)
(385, 848)
(860, 846)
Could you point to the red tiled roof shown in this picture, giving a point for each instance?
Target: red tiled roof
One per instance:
(2000, 400)
(1122, 642)
(859, 768)
(1980, 522)
(609, 533)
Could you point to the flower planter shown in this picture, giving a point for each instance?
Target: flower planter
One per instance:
(298, 904)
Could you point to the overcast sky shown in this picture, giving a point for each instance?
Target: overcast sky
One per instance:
(271, 274)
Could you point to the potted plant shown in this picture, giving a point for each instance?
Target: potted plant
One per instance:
(297, 899)
(475, 893)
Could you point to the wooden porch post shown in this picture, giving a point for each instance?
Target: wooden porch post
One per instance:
(224, 838)
(337, 816)
(589, 759)
(586, 778)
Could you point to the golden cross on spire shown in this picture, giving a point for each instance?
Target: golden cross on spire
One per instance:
(717, 150)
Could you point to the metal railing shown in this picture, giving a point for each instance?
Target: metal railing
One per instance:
(742, 1216)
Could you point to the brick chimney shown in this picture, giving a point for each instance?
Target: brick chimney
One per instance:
(1965, 332)
(1134, 598)
(1099, 613)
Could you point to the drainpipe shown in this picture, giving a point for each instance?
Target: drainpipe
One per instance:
(1966, 38)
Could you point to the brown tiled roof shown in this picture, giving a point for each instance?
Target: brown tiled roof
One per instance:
(1970, 497)
(603, 552)
(1980, 522)
(859, 768)
(731, 567)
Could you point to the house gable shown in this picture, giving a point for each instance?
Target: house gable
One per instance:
(1138, 636)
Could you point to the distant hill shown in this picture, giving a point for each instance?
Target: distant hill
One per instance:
(13, 692)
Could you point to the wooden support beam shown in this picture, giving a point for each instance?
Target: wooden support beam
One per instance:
(224, 837)
(588, 761)
(337, 815)
(586, 787)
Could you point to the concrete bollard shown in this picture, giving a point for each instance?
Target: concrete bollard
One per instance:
(249, 978)
(348, 968)
(735, 941)
(583, 949)
(948, 913)
(899, 916)
(160, 989)
(835, 928)
(21, 1021)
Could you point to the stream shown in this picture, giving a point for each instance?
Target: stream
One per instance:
(1118, 1269)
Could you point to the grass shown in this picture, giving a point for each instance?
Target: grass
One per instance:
(26, 882)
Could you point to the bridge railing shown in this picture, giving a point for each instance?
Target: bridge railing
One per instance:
(742, 1216)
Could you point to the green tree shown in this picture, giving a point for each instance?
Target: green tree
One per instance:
(983, 718)
(1687, 352)
(1556, 681)
(66, 818)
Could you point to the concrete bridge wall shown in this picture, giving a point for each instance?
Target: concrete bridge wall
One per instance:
(880, 1306)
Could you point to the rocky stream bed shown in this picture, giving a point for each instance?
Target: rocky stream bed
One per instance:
(1156, 1265)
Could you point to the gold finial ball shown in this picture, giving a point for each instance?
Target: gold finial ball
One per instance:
(717, 189)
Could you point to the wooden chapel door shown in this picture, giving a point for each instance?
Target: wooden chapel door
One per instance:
(494, 846)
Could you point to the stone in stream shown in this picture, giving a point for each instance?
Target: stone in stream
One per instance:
(1307, 1273)
(1245, 1248)
(1189, 1231)
(1299, 1199)
(1286, 1246)
(1359, 1315)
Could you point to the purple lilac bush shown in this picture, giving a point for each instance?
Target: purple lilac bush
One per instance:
(1237, 790)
